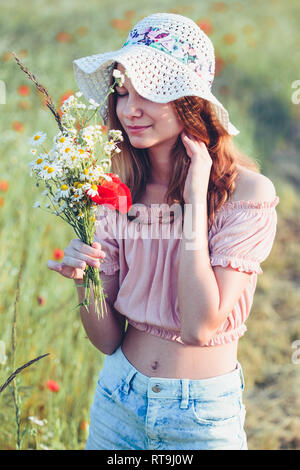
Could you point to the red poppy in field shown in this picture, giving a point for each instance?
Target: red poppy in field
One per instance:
(120, 25)
(229, 38)
(24, 104)
(41, 300)
(219, 6)
(206, 25)
(24, 90)
(52, 385)
(63, 37)
(82, 30)
(1, 202)
(6, 56)
(58, 254)
(3, 185)
(113, 193)
(17, 126)
(220, 65)
(84, 425)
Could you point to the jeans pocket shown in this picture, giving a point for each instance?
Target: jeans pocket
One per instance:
(217, 412)
(108, 387)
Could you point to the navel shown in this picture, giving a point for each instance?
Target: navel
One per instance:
(154, 365)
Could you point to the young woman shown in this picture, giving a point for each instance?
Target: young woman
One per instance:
(182, 270)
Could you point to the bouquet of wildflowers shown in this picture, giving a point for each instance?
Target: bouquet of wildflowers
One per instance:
(75, 172)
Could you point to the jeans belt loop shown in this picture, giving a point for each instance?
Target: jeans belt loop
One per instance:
(126, 384)
(184, 393)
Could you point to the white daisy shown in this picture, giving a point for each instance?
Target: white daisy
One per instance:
(49, 172)
(65, 191)
(91, 189)
(119, 77)
(36, 204)
(39, 422)
(37, 139)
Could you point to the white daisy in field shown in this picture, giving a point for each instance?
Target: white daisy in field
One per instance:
(35, 420)
(109, 147)
(80, 215)
(87, 174)
(115, 134)
(37, 139)
(119, 77)
(36, 204)
(78, 94)
(93, 104)
(77, 196)
(91, 189)
(64, 191)
(49, 171)
(68, 102)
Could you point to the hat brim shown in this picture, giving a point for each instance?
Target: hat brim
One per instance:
(155, 75)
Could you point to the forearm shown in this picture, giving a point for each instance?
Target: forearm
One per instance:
(105, 333)
(198, 292)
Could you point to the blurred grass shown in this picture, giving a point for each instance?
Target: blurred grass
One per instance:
(256, 44)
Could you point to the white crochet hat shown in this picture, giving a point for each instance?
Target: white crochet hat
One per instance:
(166, 56)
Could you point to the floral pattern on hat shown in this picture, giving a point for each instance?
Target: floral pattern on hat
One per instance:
(172, 45)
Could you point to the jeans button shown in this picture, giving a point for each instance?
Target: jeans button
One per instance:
(156, 389)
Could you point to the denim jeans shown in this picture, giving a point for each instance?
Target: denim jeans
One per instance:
(132, 411)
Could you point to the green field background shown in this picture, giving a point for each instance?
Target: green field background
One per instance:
(257, 47)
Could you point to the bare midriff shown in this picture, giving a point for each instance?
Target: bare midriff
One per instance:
(158, 357)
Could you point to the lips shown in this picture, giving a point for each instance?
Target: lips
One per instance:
(137, 127)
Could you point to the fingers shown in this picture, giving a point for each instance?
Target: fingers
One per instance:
(93, 251)
(53, 265)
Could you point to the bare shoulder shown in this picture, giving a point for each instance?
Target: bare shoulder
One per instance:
(252, 186)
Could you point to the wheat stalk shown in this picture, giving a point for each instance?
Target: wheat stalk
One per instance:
(49, 102)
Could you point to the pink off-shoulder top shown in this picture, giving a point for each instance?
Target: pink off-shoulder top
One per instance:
(146, 253)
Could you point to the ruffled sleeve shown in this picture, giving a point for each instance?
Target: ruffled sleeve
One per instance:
(244, 234)
(105, 234)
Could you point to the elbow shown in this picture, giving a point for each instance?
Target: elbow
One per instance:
(193, 339)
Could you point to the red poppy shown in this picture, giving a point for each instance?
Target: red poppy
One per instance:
(82, 30)
(23, 90)
(120, 24)
(206, 25)
(63, 37)
(3, 185)
(17, 126)
(41, 300)
(52, 385)
(113, 193)
(84, 425)
(58, 254)
(220, 65)
(24, 104)
(1, 202)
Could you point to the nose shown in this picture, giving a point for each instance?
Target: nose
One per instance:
(132, 107)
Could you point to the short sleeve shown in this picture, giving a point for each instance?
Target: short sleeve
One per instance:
(244, 234)
(105, 234)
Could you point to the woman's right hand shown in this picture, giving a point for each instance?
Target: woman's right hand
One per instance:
(76, 257)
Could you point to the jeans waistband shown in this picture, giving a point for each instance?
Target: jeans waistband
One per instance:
(160, 387)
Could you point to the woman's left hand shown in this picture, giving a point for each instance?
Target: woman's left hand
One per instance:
(196, 183)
